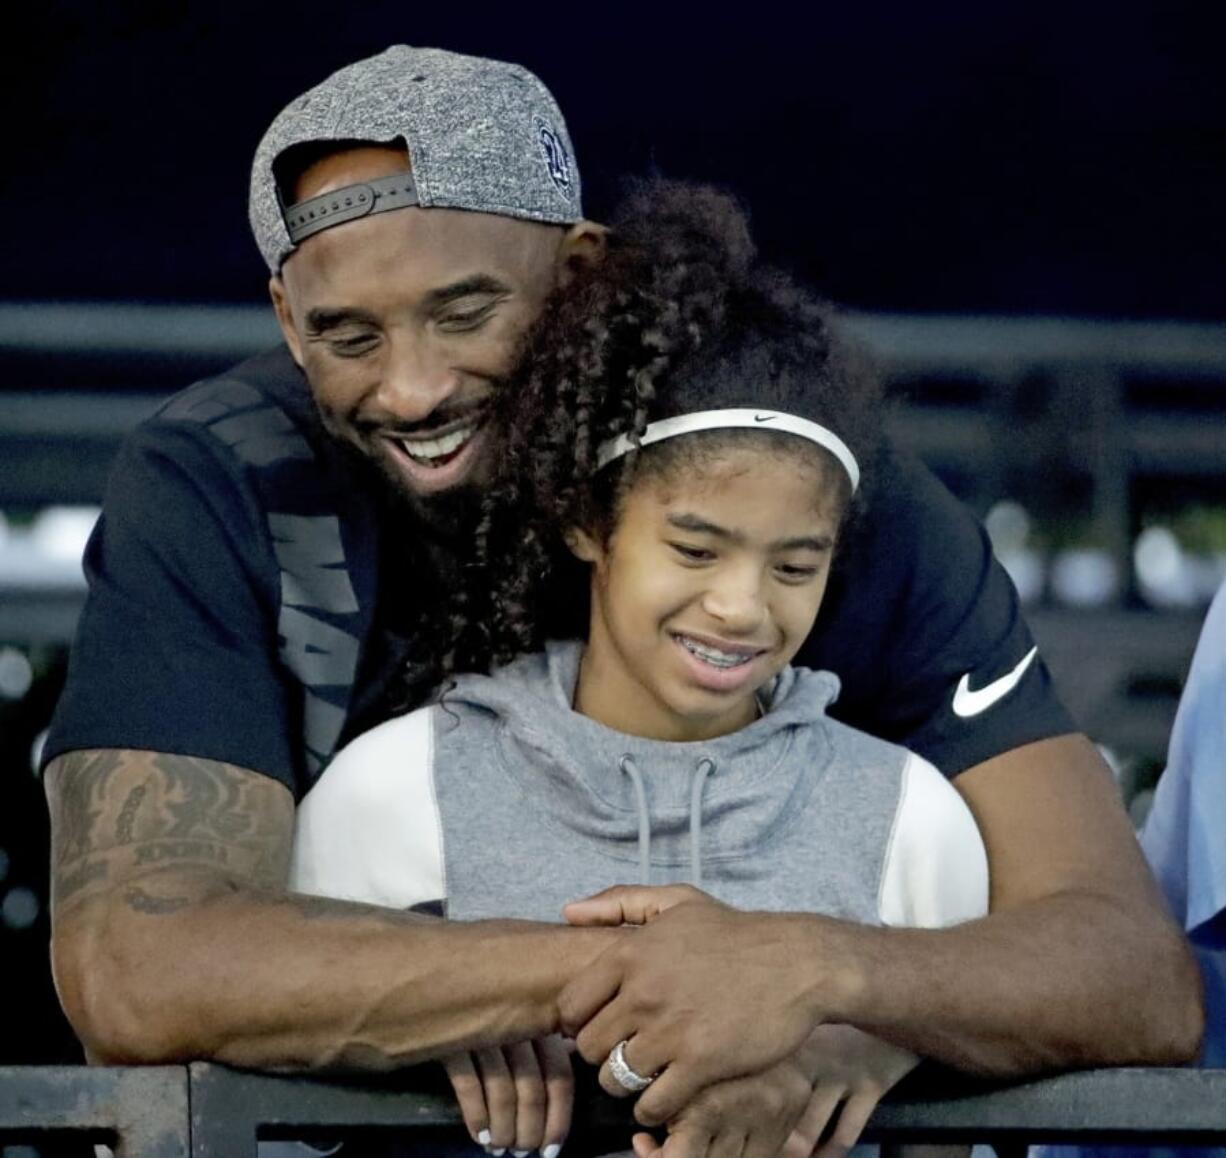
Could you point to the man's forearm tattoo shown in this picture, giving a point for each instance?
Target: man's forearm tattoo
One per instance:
(127, 814)
(84, 781)
(69, 882)
(144, 902)
(151, 852)
(123, 814)
(209, 800)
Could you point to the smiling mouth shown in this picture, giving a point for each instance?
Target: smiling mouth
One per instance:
(435, 450)
(723, 660)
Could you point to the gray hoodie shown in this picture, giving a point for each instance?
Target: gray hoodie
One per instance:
(504, 801)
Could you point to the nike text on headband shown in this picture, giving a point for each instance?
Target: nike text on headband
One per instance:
(732, 419)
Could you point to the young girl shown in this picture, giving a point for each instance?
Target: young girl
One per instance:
(686, 429)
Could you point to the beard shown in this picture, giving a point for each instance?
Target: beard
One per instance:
(447, 516)
(450, 515)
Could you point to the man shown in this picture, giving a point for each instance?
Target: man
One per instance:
(269, 539)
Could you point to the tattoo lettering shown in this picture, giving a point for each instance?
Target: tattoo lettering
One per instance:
(180, 850)
(127, 814)
(143, 902)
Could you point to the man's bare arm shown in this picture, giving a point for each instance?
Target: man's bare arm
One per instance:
(1077, 964)
(174, 937)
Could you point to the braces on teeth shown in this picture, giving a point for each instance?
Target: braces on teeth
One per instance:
(713, 656)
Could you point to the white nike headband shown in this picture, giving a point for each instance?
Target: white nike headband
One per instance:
(732, 419)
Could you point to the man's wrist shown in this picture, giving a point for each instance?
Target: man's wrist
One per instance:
(826, 958)
(573, 950)
(580, 947)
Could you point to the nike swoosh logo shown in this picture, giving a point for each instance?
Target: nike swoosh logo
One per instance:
(969, 703)
(764, 418)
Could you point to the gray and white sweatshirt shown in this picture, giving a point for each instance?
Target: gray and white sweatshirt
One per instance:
(502, 801)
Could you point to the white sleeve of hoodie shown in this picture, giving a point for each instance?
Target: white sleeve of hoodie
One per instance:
(936, 866)
(369, 830)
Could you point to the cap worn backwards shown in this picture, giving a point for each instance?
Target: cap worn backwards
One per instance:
(481, 135)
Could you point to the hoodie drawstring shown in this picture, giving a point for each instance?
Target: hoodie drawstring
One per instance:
(704, 768)
(627, 765)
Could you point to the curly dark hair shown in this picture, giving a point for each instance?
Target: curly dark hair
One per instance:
(678, 316)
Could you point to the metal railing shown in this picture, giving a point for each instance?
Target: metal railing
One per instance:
(140, 1112)
(211, 1111)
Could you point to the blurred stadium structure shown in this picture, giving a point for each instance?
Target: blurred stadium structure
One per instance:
(1096, 451)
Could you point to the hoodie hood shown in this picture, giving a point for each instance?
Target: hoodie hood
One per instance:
(653, 801)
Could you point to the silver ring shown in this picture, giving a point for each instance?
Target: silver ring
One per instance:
(623, 1075)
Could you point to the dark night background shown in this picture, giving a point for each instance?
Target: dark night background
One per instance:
(1021, 157)
(1016, 157)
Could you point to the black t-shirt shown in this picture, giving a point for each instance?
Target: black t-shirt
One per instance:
(247, 579)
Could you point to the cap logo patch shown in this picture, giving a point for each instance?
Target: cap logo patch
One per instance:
(557, 160)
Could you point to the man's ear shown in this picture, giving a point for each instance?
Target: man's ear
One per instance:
(582, 545)
(583, 245)
(285, 317)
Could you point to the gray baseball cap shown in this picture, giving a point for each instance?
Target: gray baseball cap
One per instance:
(481, 135)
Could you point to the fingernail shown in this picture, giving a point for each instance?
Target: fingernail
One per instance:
(484, 1137)
(552, 1150)
(521, 1153)
(499, 1152)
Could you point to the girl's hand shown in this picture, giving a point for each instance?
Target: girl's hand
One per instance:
(850, 1071)
(632, 904)
(517, 1097)
(837, 1077)
(749, 1117)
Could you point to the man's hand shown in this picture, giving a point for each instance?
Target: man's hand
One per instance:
(517, 1097)
(1077, 963)
(702, 993)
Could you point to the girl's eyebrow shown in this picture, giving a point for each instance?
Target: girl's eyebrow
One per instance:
(701, 526)
(698, 525)
(818, 543)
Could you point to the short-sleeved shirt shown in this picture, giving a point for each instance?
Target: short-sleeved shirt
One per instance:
(250, 581)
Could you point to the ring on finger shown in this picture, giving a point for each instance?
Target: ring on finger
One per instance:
(623, 1075)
